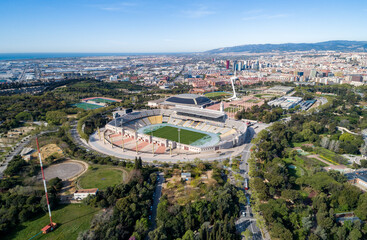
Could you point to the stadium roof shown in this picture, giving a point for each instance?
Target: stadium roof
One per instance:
(199, 112)
(188, 99)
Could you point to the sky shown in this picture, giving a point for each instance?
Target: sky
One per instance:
(152, 26)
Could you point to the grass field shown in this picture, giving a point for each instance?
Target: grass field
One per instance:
(216, 94)
(71, 219)
(101, 177)
(171, 133)
(87, 106)
(103, 100)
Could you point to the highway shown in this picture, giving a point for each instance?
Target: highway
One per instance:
(247, 220)
(18, 148)
(157, 196)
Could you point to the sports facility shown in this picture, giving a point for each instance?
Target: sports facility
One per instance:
(87, 106)
(182, 126)
(95, 102)
(171, 133)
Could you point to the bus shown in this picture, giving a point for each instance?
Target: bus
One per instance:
(246, 184)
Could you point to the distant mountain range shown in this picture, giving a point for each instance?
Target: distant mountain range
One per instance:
(340, 46)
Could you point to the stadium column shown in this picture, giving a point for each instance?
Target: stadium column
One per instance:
(104, 137)
(136, 142)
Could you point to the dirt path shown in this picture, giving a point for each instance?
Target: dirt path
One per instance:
(320, 159)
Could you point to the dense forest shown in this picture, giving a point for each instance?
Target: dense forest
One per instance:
(264, 113)
(213, 217)
(301, 206)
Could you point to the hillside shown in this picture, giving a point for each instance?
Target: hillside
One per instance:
(341, 46)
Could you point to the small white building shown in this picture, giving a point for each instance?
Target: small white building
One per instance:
(83, 193)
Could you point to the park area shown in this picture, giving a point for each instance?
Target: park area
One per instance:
(86, 106)
(171, 133)
(184, 192)
(71, 219)
(101, 177)
(216, 94)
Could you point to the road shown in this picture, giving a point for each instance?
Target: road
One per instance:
(246, 220)
(18, 148)
(75, 135)
(156, 199)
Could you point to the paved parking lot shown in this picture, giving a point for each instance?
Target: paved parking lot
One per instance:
(63, 171)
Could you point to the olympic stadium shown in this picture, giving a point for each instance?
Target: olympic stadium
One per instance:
(181, 125)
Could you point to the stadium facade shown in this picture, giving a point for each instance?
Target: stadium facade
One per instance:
(186, 112)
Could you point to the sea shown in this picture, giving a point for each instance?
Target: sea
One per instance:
(24, 56)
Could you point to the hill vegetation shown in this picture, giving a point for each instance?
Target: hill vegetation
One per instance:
(343, 46)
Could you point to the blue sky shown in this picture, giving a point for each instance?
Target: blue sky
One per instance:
(173, 25)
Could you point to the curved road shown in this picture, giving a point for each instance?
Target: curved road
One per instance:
(156, 199)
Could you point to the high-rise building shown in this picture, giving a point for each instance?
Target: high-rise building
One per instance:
(239, 66)
(227, 64)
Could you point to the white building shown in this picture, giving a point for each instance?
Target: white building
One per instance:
(83, 193)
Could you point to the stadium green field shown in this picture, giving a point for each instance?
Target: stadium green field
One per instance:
(171, 133)
(86, 106)
(103, 100)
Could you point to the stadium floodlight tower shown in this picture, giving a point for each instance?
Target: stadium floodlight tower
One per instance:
(233, 80)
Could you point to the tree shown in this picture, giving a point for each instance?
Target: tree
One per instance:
(247, 234)
(364, 163)
(52, 199)
(189, 235)
(363, 151)
(307, 223)
(325, 142)
(321, 233)
(56, 117)
(141, 226)
(355, 234)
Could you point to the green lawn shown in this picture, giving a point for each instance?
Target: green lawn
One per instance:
(71, 219)
(87, 106)
(216, 94)
(101, 177)
(171, 133)
(103, 100)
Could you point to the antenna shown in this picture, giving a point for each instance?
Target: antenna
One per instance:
(44, 180)
(233, 80)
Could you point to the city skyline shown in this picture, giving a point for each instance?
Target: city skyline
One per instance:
(173, 26)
